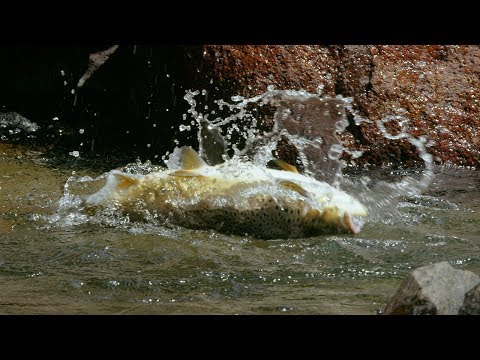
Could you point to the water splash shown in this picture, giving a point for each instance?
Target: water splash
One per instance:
(314, 124)
(252, 129)
(13, 126)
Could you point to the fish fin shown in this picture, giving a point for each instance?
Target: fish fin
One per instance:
(290, 185)
(124, 181)
(190, 160)
(283, 165)
(350, 224)
(192, 173)
(330, 215)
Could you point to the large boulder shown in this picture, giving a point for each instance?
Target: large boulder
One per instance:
(436, 289)
(130, 97)
(435, 87)
(247, 70)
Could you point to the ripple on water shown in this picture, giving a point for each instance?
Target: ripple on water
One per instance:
(55, 259)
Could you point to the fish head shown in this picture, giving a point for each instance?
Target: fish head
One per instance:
(322, 205)
(338, 209)
(343, 220)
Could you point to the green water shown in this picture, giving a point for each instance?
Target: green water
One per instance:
(60, 264)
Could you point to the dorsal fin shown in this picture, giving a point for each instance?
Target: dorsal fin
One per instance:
(290, 185)
(190, 173)
(190, 160)
(283, 165)
(124, 181)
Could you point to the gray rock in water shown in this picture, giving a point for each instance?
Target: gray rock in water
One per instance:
(471, 304)
(436, 289)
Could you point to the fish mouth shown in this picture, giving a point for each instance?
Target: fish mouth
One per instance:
(352, 224)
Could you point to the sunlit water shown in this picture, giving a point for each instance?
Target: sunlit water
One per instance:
(55, 259)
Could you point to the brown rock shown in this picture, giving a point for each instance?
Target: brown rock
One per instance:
(315, 120)
(248, 69)
(436, 289)
(435, 87)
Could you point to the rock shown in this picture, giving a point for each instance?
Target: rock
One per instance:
(471, 303)
(247, 70)
(435, 87)
(436, 289)
(319, 119)
(134, 101)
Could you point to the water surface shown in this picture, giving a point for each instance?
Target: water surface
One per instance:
(54, 261)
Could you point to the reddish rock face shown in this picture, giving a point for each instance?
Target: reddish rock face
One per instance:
(248, 69)
(436, 87)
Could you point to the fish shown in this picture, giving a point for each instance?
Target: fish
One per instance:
(234, 197)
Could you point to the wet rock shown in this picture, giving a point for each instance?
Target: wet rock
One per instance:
(315, 120)
(248, 69)
(471, 303)
(130, 97)
(435, 87)
(436, 289)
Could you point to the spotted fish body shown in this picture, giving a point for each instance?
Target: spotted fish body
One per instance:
(233, 198)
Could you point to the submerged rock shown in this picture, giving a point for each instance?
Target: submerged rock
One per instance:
(436, 289)
(471, 304)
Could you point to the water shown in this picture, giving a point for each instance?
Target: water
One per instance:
(56, 260)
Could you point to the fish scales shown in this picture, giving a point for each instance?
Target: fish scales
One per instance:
(232, 198)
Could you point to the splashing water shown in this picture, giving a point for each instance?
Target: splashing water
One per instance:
(108, 263)
(12, 124)
(251, 129)
(314, 124)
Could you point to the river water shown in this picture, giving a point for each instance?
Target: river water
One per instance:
(57, 263)
(56, 260)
